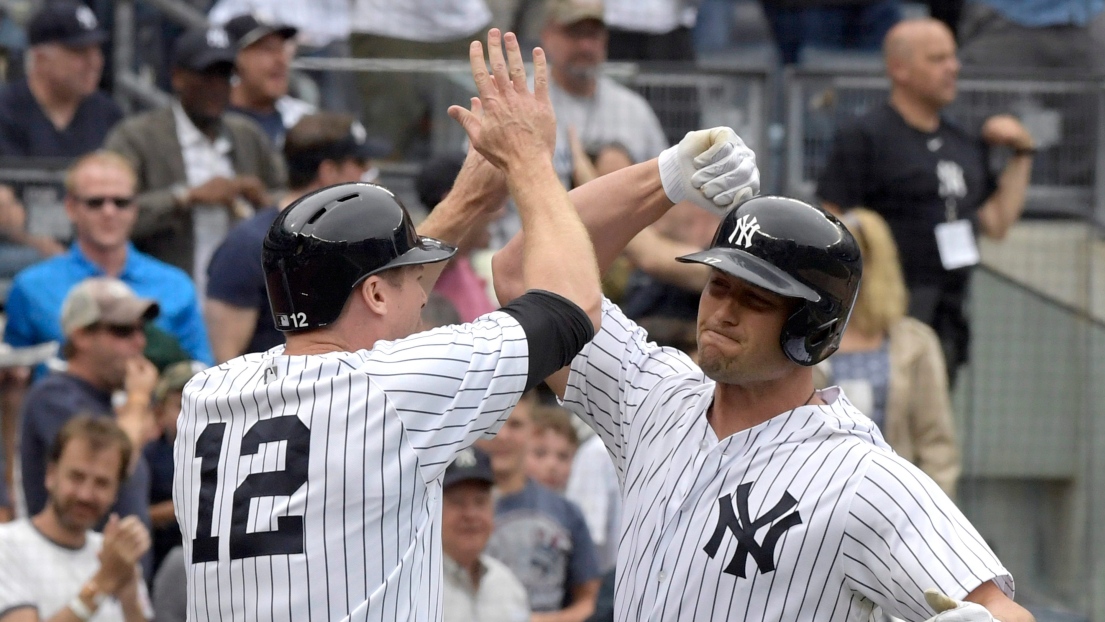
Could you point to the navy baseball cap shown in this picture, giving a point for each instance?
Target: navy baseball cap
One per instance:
(204, 49)
(471, 464)
(245, 30)
(69, 23)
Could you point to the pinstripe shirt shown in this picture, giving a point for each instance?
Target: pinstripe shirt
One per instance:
(807, 516)
(309, 487)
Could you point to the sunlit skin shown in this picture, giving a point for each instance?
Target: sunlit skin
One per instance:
(922, 64)
(467, 519)
(576, 52)
(82, 485)
(549, 459)
(508, 449)
(108, 227)
(263, 69)
(738, 331)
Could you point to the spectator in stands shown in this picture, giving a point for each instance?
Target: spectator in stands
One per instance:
(323, 33)
(53, 566)
(321, 150)
(477, 586)
(394, 106)
(18, 248)
(601, 111)
(858, 25)
(552, 447)
(438, 312)
(929, 178)
(103, 322)
(196, 165)
(167, 396)
(459, 282)
(100, 203)
(57, 111)
(890, 365)
(651, 30)
(1029, 35)
(539, 535)
(260, 86)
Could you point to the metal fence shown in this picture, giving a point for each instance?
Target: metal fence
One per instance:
(1064, 116)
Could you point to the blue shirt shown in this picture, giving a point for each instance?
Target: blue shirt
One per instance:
(543, 539)
(26, 131)
(1041, 13)
(34, 304)
(235, 276)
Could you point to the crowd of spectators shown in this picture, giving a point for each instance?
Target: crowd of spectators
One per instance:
(161, 274)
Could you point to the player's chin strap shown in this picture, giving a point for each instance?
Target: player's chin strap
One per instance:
(950, 610)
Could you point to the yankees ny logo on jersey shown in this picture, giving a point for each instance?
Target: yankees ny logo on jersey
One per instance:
(952, 182)
(744, 530)
(747, 227)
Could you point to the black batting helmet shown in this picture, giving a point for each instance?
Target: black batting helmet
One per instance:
(793, 249)
(322, 246)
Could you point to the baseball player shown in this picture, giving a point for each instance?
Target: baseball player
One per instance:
(309, 476)
(747, 494)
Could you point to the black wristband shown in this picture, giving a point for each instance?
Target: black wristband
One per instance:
(556, 330)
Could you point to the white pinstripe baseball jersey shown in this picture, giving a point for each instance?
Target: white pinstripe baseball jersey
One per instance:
(309, 487)
(807, 516)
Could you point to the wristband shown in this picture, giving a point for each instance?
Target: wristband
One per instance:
(1025, 151)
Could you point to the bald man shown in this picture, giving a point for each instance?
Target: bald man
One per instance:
(930, 178)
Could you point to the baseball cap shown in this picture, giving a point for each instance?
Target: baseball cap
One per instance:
(565, 12)
(69, 23)
(247, 29)
(471, 464)
(436, 178)
(301, 151)
(202, 49)
(175, 377)
(104, 300)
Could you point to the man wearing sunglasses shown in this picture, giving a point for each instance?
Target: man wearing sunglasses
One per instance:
(103, 322)
(100, 191)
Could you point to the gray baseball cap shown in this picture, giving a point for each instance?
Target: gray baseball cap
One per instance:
(104, 300)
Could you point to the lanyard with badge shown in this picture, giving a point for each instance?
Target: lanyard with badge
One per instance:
(955, 239)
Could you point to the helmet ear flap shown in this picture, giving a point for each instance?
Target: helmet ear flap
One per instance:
(809, 345)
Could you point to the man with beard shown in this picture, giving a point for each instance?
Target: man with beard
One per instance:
(601, 112)
(196, 165)
(75, 573)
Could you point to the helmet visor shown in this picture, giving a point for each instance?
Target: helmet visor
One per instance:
(756, 271)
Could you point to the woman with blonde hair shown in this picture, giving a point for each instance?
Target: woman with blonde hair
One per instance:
(890, 365)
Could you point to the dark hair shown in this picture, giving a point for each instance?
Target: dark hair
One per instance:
(310, 142)
(102, 433)
(436, 178)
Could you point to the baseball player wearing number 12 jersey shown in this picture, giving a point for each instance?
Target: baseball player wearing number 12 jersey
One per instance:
(309, 477)
(748, 495)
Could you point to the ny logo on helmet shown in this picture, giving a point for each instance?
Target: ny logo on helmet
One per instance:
(217, 38)
(747, 226)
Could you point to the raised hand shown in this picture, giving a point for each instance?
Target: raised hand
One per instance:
(508, 124)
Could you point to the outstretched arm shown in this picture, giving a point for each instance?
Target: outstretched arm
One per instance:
(712, 168)
(515, 130)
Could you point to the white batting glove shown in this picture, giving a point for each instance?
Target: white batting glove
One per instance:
(711, 168)
(950, 610)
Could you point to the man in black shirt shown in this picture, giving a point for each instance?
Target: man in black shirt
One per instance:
(57, 110)
(930, 178)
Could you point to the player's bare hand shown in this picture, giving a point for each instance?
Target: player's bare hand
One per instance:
(479, 182)
(950, 610)
(711, 168)
(125, 542)
(516, 125)
(1006, 131)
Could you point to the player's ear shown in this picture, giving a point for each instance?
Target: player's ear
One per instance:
(373, 294)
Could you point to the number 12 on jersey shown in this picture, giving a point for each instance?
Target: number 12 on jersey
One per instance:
(287, 538)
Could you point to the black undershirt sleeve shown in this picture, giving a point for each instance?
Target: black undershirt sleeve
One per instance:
(556, 329)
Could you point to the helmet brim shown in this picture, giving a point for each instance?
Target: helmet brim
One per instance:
(429, 250)
(756, 271)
